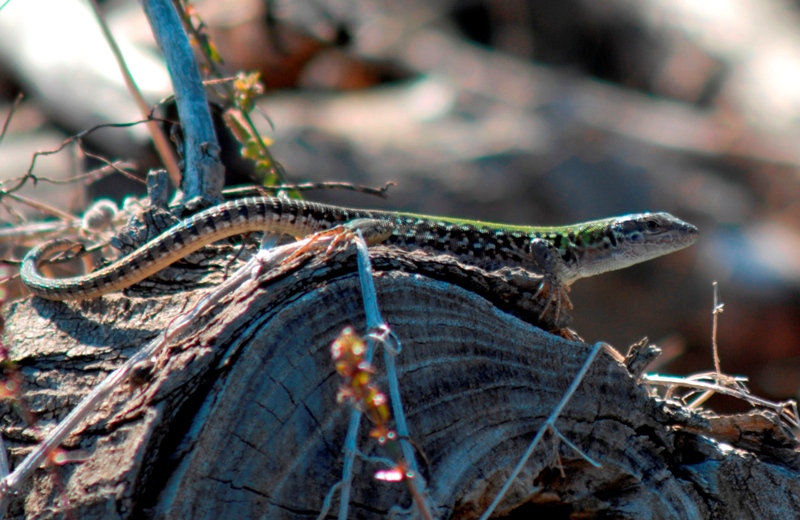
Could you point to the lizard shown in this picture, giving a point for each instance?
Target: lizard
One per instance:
(561, 254)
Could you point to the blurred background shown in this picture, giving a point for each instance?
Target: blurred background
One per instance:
(525, 112)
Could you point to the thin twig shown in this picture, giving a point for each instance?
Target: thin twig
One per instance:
(415, 482)
(94, 175)
(375, 322)
(203, 42)
(73, 138)
(549, 424)
(203, 174)
(718, 307)
(108, 164)
(159, 139)
(14, 106)
(257, 189)
(41, 206)
(9, 234)
(675, 381)
(576, 449)
(326, 504)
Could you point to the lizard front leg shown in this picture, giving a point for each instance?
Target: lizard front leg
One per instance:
(551, 289)
(374, 231)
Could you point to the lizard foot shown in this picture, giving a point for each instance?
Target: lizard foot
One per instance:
(567, 333)
(374, 232)
(551, 290)
(555, 295)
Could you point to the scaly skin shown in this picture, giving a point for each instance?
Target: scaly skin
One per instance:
(562, 254)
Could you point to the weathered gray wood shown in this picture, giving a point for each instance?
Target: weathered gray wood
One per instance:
(239, 418)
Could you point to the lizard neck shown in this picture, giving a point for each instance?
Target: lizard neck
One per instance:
(583, 249)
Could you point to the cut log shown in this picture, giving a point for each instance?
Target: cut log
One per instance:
(239, 419)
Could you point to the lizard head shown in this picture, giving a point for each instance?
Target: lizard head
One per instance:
(615, 243)
(644, 236)
(600, 246)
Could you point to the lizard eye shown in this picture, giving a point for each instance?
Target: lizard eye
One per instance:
(652, 225)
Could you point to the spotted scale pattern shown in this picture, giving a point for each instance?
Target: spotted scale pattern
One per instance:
(563, 253)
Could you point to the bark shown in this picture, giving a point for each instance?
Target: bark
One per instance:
(238, 418)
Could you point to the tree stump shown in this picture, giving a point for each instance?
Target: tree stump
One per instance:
(238, 418)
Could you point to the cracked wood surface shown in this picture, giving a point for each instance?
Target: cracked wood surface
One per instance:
(238, 419)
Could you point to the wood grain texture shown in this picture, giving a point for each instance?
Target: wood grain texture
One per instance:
(240, 420)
